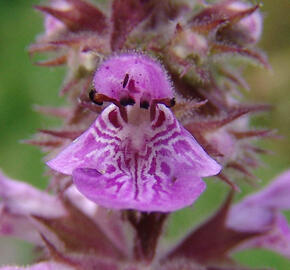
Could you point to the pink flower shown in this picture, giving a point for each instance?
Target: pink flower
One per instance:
(255, 222)
(261, 212)
(19, 202)
(136, 155)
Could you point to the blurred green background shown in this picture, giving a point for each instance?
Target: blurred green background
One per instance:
(22, 85)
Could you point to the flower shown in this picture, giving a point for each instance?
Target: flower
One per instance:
(136, 155)
(20, 201)
(261, 212)
(139, 155)
(254, 222)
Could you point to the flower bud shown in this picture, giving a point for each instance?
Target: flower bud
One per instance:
(188, 42)
(225, 144)
(248, 30)
(51, 24)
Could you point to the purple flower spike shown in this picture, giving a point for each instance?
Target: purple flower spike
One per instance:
(136, 157)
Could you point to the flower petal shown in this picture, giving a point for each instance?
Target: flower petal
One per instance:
(276, 194)
(277, 239)
(260, 212)
(145, 76)
(152, 165)
(18, 226)
(105, 141)
(114, 193)
(24, 199)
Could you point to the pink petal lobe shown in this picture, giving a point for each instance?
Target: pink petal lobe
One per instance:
(277, 239)
(183, 192)
(18, 226)
(23, 199)
(260, 212)
(276, 194)
(141, 164)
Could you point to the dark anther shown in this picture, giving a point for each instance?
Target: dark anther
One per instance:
(92, 95)
(166, 101)
(131, 101)
(144, 104)
(126, 79)
(127, 101)
(172, 102)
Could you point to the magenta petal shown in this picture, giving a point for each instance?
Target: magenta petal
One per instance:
(23, 199)
(18, 226)
(276, 194)
(143, 164)
(260, 212)
(151, 195)
(278, 239)
(146, 77)
(151, 166)
(188, 151)
(105, 144)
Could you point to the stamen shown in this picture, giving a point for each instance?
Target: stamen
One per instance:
(127, 101)
(92, 95)
(172, 102)
(166, 101)
(100, 98)
(144, 104)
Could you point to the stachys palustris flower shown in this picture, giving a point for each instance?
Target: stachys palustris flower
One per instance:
(136, 155)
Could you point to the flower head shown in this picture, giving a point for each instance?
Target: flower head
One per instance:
(141, 153)
(136, 155)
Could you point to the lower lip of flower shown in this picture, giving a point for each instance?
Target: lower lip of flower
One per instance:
(137, 163)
